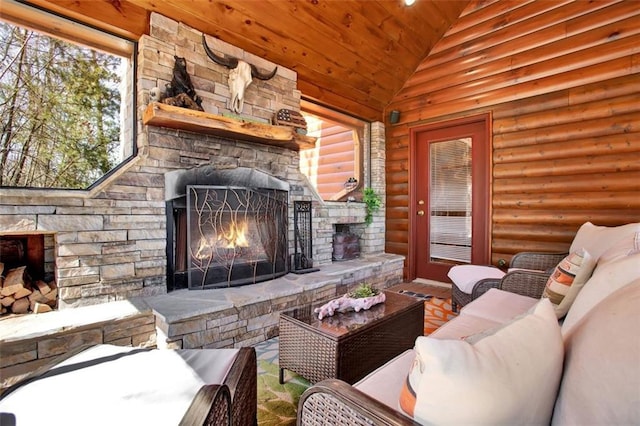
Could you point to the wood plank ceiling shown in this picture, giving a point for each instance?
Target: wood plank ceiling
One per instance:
(351, 55)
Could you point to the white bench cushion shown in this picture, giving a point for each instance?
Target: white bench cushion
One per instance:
(466, 276)
(115, 385)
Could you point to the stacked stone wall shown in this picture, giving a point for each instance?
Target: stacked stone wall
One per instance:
(110, 240)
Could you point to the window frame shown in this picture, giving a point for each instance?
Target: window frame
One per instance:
(51, 24)
(356, 125)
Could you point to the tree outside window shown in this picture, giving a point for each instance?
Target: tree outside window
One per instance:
(60, 111)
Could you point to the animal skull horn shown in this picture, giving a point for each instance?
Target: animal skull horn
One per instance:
(239, 77)
(226, 61)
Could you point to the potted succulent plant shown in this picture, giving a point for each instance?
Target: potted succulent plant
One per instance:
(364, 290)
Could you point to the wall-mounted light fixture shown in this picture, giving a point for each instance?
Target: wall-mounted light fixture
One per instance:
(394, 116)
(409, 2)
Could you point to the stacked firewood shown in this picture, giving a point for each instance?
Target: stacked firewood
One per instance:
(20, 295)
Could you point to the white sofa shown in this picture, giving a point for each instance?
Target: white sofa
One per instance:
(507, 360)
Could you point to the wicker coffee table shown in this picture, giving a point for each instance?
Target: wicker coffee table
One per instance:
(350, 345)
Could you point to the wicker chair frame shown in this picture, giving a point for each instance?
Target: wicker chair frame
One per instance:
(242, 381)
(211, 406)
(534, 271)
(334, 402)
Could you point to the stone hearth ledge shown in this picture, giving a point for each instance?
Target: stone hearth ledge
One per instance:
(247, 315)
(184, 304)
(33, 326)
(224, 317)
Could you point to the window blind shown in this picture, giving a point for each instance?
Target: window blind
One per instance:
(450, 200)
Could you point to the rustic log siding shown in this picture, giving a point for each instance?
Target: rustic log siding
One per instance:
(335, 160)
(562, 82)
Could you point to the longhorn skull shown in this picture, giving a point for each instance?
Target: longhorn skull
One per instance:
(240, 75)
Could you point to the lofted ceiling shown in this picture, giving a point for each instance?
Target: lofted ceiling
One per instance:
(351, 55)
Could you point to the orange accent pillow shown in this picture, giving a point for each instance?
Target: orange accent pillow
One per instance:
(567, 279)
(407, 399)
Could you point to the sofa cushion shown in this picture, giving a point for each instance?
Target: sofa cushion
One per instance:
(606, 279)
(601, 381)
(567, 279)
(509, 375)
(385, 382)
(598, 239)
(498, 305)
(463, 326)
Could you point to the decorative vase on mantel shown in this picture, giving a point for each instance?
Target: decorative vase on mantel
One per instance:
(363, 298)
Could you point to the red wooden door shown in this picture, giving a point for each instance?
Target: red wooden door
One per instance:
(450, 196)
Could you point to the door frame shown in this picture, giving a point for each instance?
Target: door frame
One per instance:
(487, 175)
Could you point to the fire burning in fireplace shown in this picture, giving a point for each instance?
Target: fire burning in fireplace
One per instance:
(236, 237)
(233, 238)
(230, 240)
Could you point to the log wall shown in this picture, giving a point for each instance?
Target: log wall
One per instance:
(333, 162)
(562, 82)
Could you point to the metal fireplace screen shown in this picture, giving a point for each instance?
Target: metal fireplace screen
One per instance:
(235, 236)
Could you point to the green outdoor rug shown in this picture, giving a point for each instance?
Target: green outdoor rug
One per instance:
(277, 404)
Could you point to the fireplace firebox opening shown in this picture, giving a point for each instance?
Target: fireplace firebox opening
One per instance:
(226, 227)
(235, 235)
(346, 244)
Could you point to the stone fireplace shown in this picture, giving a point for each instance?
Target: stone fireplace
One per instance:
(116, 240)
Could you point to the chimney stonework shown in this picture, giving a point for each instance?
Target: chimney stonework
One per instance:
(110, 241)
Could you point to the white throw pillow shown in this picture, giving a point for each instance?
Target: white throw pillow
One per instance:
(606, 279)
(598, 239)
(509, 375)
(627, 246)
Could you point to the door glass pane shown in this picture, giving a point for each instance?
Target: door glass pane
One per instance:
(450, 201)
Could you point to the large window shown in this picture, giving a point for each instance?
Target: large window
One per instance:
(335, 166)
(66, 101)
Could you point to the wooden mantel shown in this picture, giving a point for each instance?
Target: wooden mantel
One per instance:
(162, 115)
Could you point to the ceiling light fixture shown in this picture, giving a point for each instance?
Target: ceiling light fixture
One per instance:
(409, 2)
